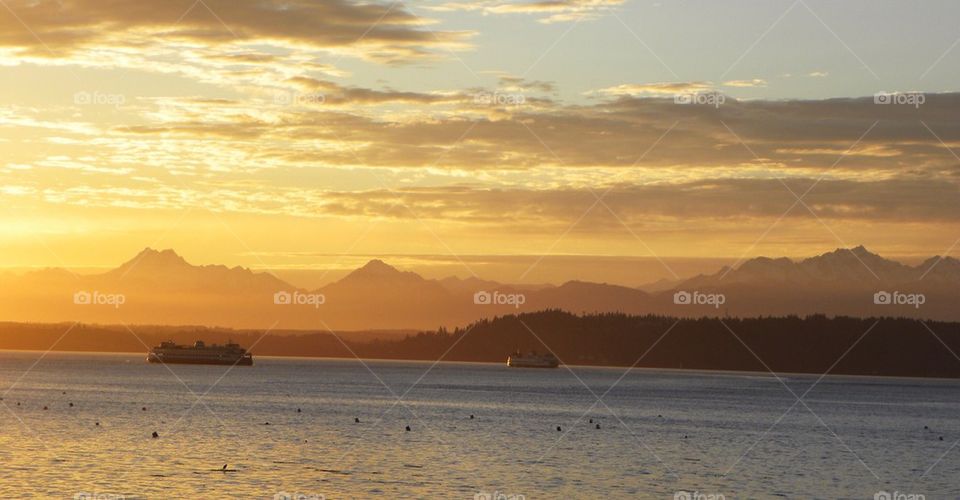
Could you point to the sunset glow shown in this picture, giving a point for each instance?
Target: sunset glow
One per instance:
(294, 136)
(488, 249)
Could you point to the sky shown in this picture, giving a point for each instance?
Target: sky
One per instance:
(525, 141)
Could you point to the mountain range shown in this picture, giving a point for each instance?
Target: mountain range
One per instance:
(160, 287)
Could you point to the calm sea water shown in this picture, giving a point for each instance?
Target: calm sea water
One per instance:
(661, 432)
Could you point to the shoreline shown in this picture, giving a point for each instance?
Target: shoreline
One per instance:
(691, 371)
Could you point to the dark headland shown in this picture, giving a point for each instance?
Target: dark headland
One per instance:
(790, 344)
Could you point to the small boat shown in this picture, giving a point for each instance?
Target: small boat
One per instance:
(200, 354)
(532, 360)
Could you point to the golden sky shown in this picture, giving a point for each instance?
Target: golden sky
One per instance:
(473, 136)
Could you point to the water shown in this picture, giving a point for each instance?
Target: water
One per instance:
(661, 431)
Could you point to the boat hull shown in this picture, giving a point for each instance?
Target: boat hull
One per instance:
(246, 361)
(523, 363)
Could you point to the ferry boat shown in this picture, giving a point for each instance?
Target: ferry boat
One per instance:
(200, 354)
(532, 360)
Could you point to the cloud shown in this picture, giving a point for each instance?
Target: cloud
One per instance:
(728, 199)
(676, 174)
(673, 88)
(660, 88)
(549, 11)
(783, 138)
(518, 84)
(664, 162)
(334, 93)
(550, 210)
(377, 31)
(756, 82)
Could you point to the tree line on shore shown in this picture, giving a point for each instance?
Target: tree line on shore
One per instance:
(811, 344)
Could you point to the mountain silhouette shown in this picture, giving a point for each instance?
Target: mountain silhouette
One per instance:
(161, 287)
(379, 272)
(150, 260)
(842, 267)
(159, 270)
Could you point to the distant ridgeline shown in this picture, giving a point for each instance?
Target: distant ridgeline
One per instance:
(814, 344)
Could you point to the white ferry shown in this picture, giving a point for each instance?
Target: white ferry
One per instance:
(200, 354)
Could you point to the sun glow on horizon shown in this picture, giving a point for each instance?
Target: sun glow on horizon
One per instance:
(242, 136)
